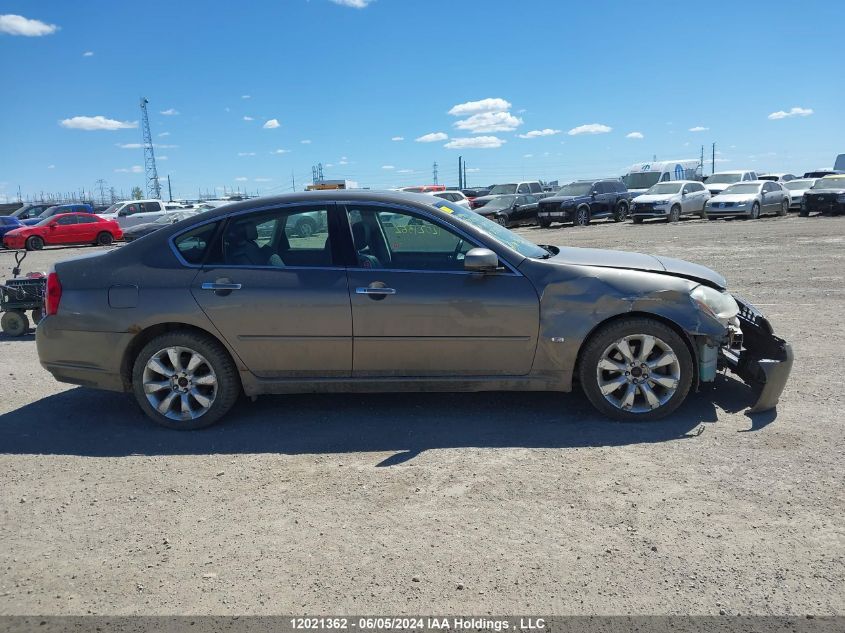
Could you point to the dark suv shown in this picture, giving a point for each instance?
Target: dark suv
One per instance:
(581, 201)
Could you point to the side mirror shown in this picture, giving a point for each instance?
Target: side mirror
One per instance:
(481, 260)
(594, 193)
(53, 226)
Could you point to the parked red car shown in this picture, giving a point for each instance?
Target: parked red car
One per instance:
(64, 228)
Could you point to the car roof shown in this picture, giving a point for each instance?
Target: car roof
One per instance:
(733, 171)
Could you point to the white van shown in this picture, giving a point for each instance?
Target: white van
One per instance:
(643, 176)
(131, 212)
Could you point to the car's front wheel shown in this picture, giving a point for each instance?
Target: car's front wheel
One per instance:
(105, 238)
(755, 211)
(674, 213)
(34, 243)
(185, 380)
(636, 369)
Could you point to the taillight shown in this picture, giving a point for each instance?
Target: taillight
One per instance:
(54, 293)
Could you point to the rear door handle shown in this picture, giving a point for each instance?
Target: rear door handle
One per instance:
(209, 285)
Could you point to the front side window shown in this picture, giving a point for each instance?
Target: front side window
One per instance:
(524, 188)
(535, 187)
(295, 236)
(400, 240)
(67, 219)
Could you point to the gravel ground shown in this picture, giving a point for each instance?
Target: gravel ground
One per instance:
(470, 504)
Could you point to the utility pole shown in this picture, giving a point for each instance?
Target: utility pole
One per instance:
(153, 186)
(292, 181)
(701, 161)
(465, 175)
(169, 190)
(101, 184)
(713, 161)
(434, 173)
(461, 184)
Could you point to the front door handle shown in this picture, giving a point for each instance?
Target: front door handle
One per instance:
(208, 285)
(375, 291)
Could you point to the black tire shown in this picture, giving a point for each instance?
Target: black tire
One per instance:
(37, 314)
(14, 323)
(582, 216)
(502, 220)
(754, 214)
(604, 337)
(228, 382)
(306, 227)
(784, 208)
(621, 212)
(674, 214)
(34, 243)
(637, 219)
(105, 238)
(803, 213)
(544, 224)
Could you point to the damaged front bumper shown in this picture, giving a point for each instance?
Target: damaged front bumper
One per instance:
(756, 355)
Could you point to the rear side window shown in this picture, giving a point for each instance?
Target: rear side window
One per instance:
(85, 219)
(193, 245)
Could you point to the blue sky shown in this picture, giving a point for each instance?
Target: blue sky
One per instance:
(342, 82)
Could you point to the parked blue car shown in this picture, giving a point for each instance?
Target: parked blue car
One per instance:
(59, 208)
(8, 223)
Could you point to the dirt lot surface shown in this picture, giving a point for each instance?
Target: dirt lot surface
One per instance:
(470, 504)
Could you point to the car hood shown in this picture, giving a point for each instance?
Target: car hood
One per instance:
(654, 197)
(564, 199)
(718, 186)
(734, 197)
(605, 258)
(815, 192)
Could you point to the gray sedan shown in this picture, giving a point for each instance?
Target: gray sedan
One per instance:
(403, 292)
(750, 199)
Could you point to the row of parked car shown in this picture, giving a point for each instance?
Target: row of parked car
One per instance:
(742, 193)
(34, 226)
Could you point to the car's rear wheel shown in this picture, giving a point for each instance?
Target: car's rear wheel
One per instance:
(582, 216)
(784, 208)
(674, 213)
(185, 380)
(105, 238)
(37, 314)
(636, 369)
(502, 219)
(755, 211)
(34, 243)
(621, 212)
(14, 323)
(544, 224)
(637, 220)
(306, 227)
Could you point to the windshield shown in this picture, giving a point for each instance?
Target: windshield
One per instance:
(494, 230)
(724, 178)
(797, 185)
(665, 187)
(49, 211)
(113, 208)
(745, 188)
(500, 189)
(575, 189)
(503, 202)
(641, 179)
(830, 183)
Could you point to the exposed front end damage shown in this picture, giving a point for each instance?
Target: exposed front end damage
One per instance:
(755, 354)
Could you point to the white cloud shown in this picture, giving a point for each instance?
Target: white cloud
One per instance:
(241, 179)
(796, 111)
(164, 134)
(246, 153)
(246, 96)
(388, 167)
(483, 105)
(280, 151)
(12, 24)
(489, 122)
(537, 133)
(97, 123)
(473, 170)
(398, 138)
(590, 128)
(342, 161)
(88, 54)
(432, 137)
(405, 171)
(135, 169)
(528, 155)
(248, 118)
(51, 166)
(272, 124)
(699, 128)
(306, 141)
(475, 142)
(262, 180)
(635, 135)
(355, 4)
(170, 112)
(162, 158)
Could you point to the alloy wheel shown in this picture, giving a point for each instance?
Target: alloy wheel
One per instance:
(638, 373)
(179, 383)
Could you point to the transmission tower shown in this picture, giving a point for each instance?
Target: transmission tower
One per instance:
(434, 173)
(153, 186)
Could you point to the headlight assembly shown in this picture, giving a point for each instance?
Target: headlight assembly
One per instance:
(720, 305)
